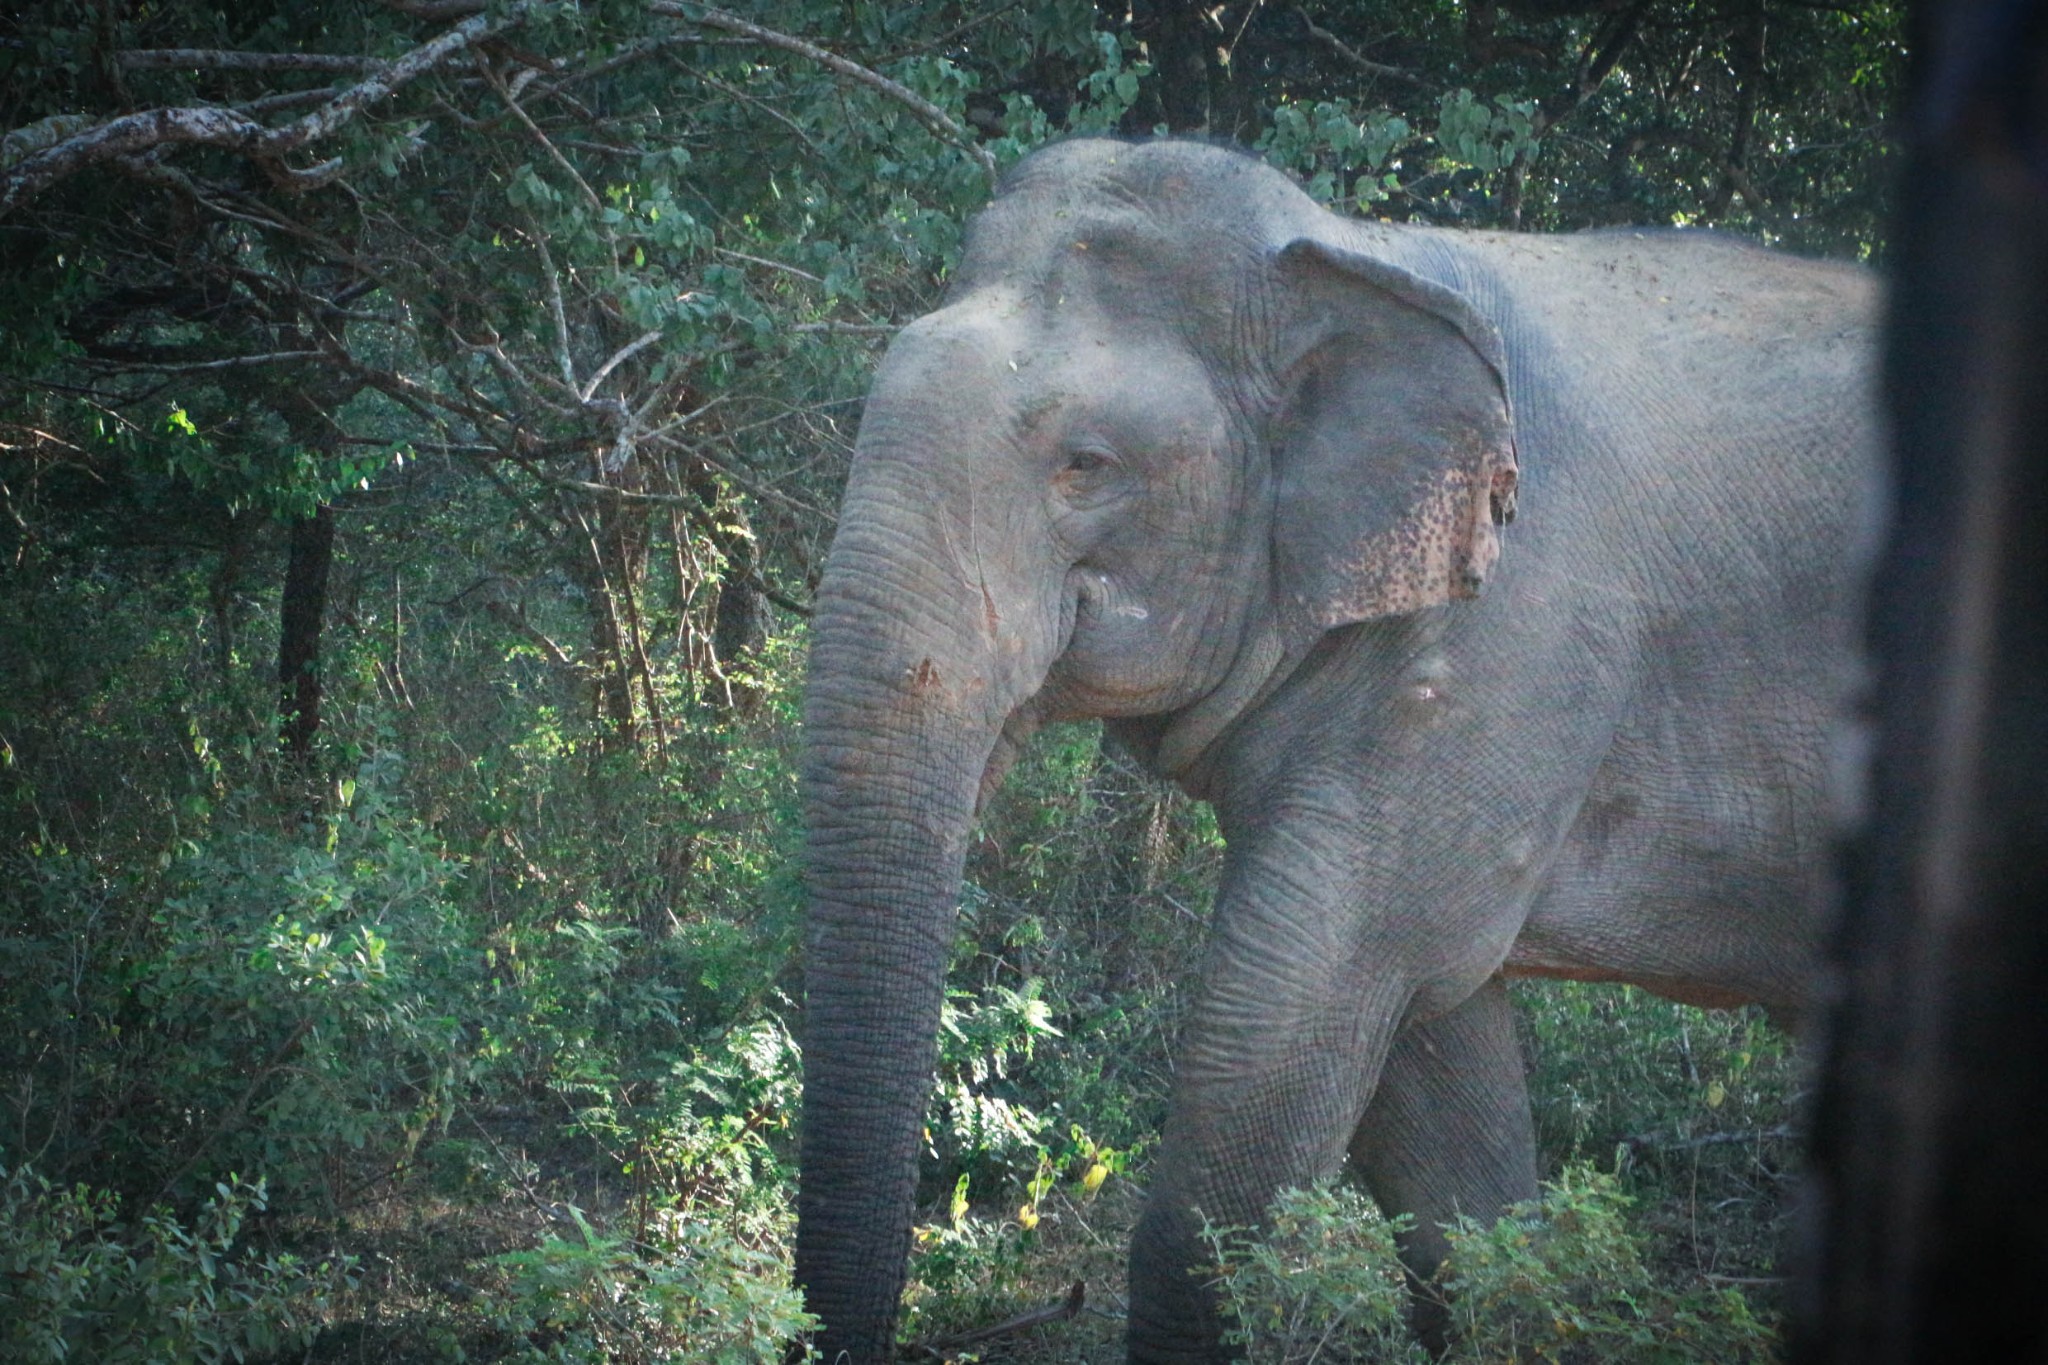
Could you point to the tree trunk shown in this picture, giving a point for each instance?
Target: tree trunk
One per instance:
(238, 533)
(1183, 41)
(608, 566)
(1929, 1190)
(302, 618)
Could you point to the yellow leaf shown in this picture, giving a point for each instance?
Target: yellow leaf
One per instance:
(1715, 1094)
(1092, 1181)
(960, 1201)
(1027, 1218)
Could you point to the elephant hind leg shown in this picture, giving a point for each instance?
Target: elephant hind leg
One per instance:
(1448, 1132)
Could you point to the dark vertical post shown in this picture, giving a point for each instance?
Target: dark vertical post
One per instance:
(1927, 1227)
(302, 616)
(1182, 39)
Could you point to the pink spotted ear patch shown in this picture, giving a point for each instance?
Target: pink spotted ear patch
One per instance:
(1441, 551)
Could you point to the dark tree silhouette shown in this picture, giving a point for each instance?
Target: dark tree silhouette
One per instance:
(1930, 1142)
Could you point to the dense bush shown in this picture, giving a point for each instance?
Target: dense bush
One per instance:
(80, 1282)
(1560, 1279)
(684, 1290)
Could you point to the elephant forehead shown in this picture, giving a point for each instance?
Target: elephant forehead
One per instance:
(1029, 362)
(992, 324)
(971, 349)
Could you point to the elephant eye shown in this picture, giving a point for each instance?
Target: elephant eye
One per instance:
(1088, 460)
(1088, 477)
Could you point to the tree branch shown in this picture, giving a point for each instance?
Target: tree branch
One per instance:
(1359, 60)
(847, 328)
(930, 115)
(516, 622)
(394, 74)
(796, 129)
(504, 93)
(194, 58)
(797, 271)
(228, 363)
(1658, 1143)
(134, 133)
(123, 137)
(435, 11)
(563, 357)
(619, 357)
(1066, 1309)
(1597, 64)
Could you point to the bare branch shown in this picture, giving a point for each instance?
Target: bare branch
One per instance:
(195, 58)
(516, 621)
(512, 103)
(133, 133)
(232, 362)
(782, 599)
(394, 74)
(416, 397)
(605, 490)
(1359, 60)
(797, 271)
(1596, 64)
(123, 137)
(1656, 1142)
(1066, 1309)
(796, 129)
(285, 99)
(561, 315)
(927, 113)
(694, 505)
(619, 357)
(764, 492)
(534, 387)
(668, 429)
(847, 328)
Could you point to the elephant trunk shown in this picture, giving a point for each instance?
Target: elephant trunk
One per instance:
(906, 698)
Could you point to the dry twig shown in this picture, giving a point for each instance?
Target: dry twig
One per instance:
(1065, 1310)
(927, 113)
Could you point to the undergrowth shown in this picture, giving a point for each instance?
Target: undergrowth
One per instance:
(1564, 1278)
(478, 1042)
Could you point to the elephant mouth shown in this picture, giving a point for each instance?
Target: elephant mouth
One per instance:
(1103, 599)
(1111, 599)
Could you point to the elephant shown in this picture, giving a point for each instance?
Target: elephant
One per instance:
(1184, 451)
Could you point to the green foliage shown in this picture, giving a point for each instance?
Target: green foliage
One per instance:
(974, 1128)
(1341, 156)
(77, 1283)
(1560, 1279)
(688, 1290)
(1102, 889)
(965, 1270)
(284, 995)
(1347, 158)
(1620, 1068)
(1324, 1283)
(1565, 1278)
(1486, 137)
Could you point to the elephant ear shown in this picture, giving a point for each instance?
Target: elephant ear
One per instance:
(1394, 449)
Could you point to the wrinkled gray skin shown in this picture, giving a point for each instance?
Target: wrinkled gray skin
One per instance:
(1184, 451)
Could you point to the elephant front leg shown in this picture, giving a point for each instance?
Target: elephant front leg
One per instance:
(1223, 1160)
(1448, 1132)
(1280, 1057)
(1338, 913)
